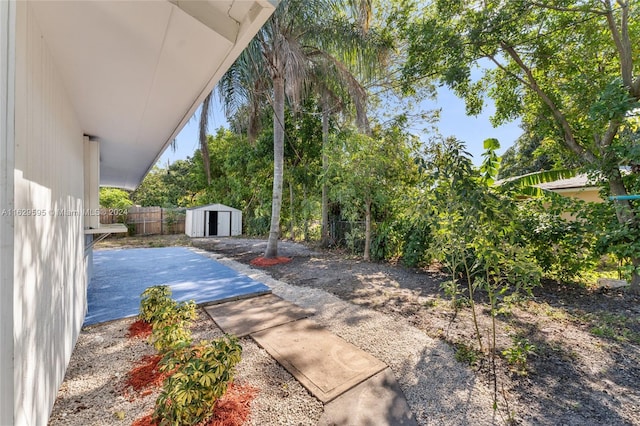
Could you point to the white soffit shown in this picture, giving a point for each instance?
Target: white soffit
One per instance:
(137, 70)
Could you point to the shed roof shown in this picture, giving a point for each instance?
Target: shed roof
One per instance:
(136, 71)
(214, 207)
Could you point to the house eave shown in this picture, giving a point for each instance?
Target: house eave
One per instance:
(136, 71)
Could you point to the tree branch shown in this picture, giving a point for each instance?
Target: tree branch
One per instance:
(569, 138)
(567, 9)
(611, 132)
(623, 43)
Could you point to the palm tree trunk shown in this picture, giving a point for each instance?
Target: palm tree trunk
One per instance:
(278, 165)
(367, 231)
(325, 166)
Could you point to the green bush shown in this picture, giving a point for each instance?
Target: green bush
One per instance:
(563, 248)
(169, 319)
(467, 355)
(417, 239)
(518, 354)
(355, 240)
(153, 303)
(384, 242)
(202, 374)
(172, 327)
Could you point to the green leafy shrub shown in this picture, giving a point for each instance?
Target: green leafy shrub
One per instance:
(564, 248)
(384, 242)
(201, 376)
(169, 319)
(171, 329)
(154, 302)
(467, 355)
(417, 239)
(518, 354)
(355, 240)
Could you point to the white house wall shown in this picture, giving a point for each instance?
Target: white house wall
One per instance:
(49, 299)
(7, 73)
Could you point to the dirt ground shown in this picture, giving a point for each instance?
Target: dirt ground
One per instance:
(583, 367)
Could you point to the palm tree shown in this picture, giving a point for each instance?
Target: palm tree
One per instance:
(300, 48)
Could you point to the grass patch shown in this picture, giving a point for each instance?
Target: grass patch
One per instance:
(467, 355)
(614, 326)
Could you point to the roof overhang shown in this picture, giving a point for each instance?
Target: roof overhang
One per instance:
(136, 71)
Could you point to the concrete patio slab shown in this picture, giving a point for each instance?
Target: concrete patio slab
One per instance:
(248, 316)
(322, 362)
(119, 276)
(378, 401)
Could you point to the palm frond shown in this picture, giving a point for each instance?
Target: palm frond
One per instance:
(537, 178)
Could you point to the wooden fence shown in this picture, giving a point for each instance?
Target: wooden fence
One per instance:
(147, 220)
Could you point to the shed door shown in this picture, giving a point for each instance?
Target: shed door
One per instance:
(212, 223)
(224, 224)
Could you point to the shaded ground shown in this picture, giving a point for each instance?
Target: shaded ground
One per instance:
(584, 368)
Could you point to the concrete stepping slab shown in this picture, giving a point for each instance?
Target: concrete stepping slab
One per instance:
(322, 362)
(378, 401)
(247, 316)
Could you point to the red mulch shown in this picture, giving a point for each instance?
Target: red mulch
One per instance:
(230, 410)
(263, 261)
(144, 376)
(139, 329)
(144, 421)
(234, 407)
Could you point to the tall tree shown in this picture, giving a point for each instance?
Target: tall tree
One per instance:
(574, 62)
(299, 38)
(368, 171)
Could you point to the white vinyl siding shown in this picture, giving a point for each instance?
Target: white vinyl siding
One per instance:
(7, 74)
(50, 279)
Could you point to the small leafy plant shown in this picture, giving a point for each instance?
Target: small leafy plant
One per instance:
(169, 319)
(518, 354)
(153, 302)
(201, 376)
(172, 329)
(467, 355)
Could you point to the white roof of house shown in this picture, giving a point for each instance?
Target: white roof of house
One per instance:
(578, 181)
(214, 207)
(136, 71)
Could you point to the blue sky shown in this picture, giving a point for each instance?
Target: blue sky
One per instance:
(453, 122)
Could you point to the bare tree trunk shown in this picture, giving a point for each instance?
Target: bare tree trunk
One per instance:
(278, 165)
(635, 277)
(625, 214)
(325, 166)
(367, 231)
(291, 213)
(306, 213)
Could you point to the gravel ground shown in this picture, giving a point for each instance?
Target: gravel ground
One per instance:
(439, 390)
(585, 364)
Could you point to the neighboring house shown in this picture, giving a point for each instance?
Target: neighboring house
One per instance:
(90, 94)
(578, 187)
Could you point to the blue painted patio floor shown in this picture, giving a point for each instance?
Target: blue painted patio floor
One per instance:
(119, 276)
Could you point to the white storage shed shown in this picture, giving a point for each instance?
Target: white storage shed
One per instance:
(213, 220)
